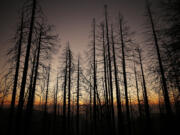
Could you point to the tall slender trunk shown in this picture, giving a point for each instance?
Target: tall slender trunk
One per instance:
(32, 76)
(47, 90)
(31, 97)
(45, 121)
(90, 100)
(55, 107)
(99, 109)
(32, 94)
(144, 88)
(69, 88)
(64, 97)
(25, 70)
(94, 79)
(77, 122)
(137, 91)
(118, 99)
(124, 74)
(163, 78)
(26, 63)
(105, 69)
(13, 98)
(110, 70)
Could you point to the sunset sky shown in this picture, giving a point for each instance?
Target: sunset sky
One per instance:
(72, 19)
(88, 67)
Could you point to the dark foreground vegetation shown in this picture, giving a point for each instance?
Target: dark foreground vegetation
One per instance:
(120, 87)
(160, 125)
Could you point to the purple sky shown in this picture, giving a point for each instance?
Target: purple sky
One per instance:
(72, 19)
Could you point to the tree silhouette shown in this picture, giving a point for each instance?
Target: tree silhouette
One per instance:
(154, 34)
(119, 87)
(124, 71)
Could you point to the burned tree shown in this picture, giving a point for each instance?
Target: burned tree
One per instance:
(122, 34)
(78, 92)
(159, 59)
(109, 67)
(118, 96)
(13, 98)
(26, 63)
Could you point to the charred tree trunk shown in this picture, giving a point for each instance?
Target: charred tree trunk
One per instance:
(31, 97)
(90, 100)
(110, 70)
(77, 121)
(55, 107)
(118, 99)
(163, 78)
(13, 98)
(26, 63)
(24, 78)
(32, 76)
(124, 74)
(105, 69)
(45, 115)
(144, 88)
(137, 91)
(69, 89)
(64, 97)
(94, 76)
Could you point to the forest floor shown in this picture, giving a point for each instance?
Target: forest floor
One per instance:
(160, 125)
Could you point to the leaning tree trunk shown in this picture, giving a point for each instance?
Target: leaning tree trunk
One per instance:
(31, 97)
(13, 98)
(144, 88)
(24, 78)
(137, 91)
(163, 78)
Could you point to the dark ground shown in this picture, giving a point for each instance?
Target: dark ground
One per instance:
(160, 125)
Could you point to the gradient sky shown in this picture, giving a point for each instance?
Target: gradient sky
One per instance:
(72, 19)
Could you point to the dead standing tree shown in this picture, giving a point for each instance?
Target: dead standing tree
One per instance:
(137, 87)
(145, 95)
(170, 18)
(31, 95)
(55, 93)
(118, 96)
(70, 64)
(45, 45)
(159, 59)
(122, 34)
(94, 77)
(67, 74)
(26, 63)
(144, 86)
(110, 69)
(78, 92)
(104, 48)
(64, 94)
(45, 124)
(13, 98)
